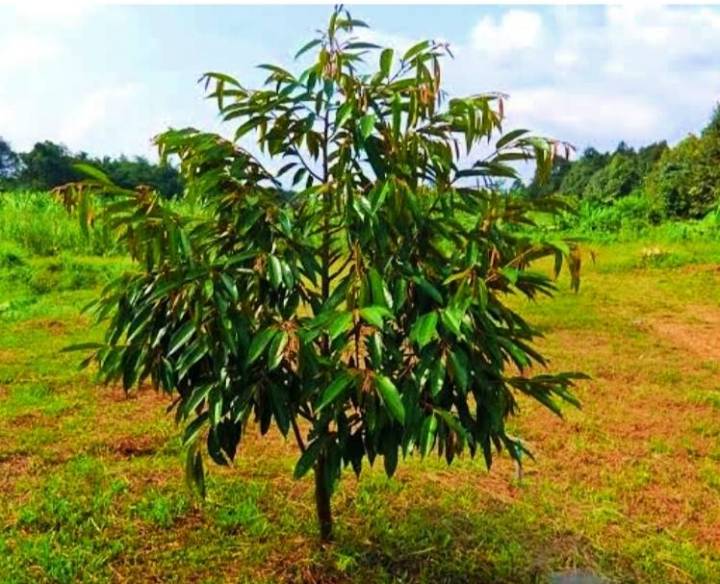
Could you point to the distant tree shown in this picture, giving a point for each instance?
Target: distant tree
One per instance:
(9, 162)
(46, 166)
(624, 148)
(686, 180)
(551, 186)
(648, 156)
(361, 310)
(579, 173)
(130, 173)
(615, 180)
(713, 126)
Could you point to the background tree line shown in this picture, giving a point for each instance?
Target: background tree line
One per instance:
(657, 181)
(682, 182)
(49, 165)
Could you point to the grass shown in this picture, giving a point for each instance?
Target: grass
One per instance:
(36, 222)
(627, 487)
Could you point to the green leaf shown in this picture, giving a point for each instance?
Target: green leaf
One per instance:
(386, 58)
(380, 294)
(452, 319)
(427, 434)
(308, 458)
(194, 471)
(93, 172)
(437, 377)
(307, 47)
(511, 274)
(181, 337)
(362, 45)
(391, 397)
(367, 124)
(275, 352)
(429, 289)
(334, 390)
(340, 324)
(415, 49)
(509, 137)
(374, 315)
(82, 347)
(344, 113)
(396, 116)
(424, 329)
(275, 271)
(459, 362)
(259, 342)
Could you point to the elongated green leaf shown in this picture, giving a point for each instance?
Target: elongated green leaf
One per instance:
(194, 471)
(427, 434)
(380, 294)
(275, 351)
(452, 319)
(181, 337)
(459, 362)
(424, 329)
(307, 459)
(82, 347)
(386, 58)
(340, 324)
(367, 124)
(374, 315)
(344, 113)
(334, 390)
(259, 342)
(391, 397)
(275, 271)
(415, 49)
(509, 137)
(437, 377)
(307, 47)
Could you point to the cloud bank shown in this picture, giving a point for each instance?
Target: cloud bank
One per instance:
(589, 75)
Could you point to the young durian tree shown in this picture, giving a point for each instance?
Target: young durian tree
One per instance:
(355, 298)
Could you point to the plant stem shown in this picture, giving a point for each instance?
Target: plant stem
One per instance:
(322, 500)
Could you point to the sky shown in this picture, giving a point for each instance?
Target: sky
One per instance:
(105, 79)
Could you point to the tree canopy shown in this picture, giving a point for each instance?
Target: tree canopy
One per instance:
(9, 161)
(678, 183)
(48, 165)
(355, 298)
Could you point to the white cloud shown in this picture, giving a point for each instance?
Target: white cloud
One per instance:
(515, 30)
(590, 75)
(597, 76)
(566, 58)
(100, 111)
(27, 50)
(58, 14)
(661, 38)
(607, 116)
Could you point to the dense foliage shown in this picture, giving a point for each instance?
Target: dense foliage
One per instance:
(682, 182)
(48, 165)
(357, 303)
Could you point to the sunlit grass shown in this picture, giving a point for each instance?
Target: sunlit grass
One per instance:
(627, 486)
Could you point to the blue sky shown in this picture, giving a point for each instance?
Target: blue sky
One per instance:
(105, 79)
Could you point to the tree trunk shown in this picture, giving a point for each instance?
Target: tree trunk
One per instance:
(322, 500)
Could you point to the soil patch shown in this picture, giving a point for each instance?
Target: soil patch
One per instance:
(697, 331)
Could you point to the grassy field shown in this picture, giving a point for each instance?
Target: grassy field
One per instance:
(628, 487)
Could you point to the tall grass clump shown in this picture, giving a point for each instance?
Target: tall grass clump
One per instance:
(39, 225)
